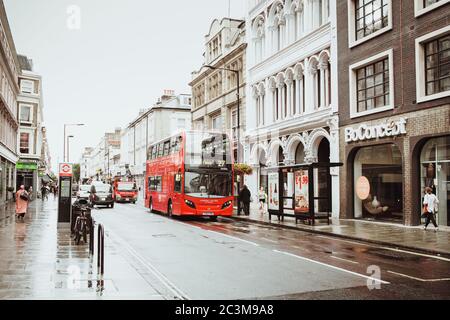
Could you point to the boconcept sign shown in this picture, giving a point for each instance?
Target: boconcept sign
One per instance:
(365, 132)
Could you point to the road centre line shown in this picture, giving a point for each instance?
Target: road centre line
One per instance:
(332, 267)
(177, 292)
(418, 279)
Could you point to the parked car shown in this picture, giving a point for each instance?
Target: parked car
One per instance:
(84, 192)
(101, 194)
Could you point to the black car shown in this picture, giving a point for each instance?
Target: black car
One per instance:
(101, 194)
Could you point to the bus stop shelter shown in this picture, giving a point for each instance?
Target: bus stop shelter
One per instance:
(303, 192)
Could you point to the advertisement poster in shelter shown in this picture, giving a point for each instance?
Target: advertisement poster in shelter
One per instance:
(273, 191)
(301, 191)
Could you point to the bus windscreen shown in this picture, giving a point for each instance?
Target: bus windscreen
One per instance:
(207, 185)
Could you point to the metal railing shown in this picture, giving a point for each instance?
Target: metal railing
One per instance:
(91, 237)
(100, 257)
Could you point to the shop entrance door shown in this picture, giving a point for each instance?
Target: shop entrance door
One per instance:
(24, 178)
(435, 173)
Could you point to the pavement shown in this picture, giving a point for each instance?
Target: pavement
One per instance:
(39, 260)
(388, 234)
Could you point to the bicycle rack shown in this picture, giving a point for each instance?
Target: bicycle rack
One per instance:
(100, 257)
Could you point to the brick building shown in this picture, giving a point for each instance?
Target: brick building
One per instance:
(394, 97)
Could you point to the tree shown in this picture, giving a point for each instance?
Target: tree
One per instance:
(76, 172)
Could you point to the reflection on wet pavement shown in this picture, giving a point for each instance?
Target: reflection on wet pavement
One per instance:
(40, 261)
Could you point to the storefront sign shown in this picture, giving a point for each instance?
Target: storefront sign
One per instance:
(302, 191)
(26, 166)
(364, 132)
(273, 191)
(362, 188)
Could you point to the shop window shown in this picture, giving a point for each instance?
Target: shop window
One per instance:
(378, 183)
(435, 173)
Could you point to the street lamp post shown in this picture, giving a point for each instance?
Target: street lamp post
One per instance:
(238, 107)
(68, 157)
(68, 125)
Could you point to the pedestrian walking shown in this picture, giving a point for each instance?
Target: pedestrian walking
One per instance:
(245, 197)
(30, 193)
(44, 192)
(430, 207)
(21, 202)
(262, 196)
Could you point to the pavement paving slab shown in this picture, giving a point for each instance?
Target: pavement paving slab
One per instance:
(39, 261)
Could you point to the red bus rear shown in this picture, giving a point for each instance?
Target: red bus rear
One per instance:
(190, 174)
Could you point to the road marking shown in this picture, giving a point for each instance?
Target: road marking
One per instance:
(387, 248)
(269, 240)
(346, 260)
(218, 233)
(177, 292)
(234, 238)
(332, 267)
(418, 279)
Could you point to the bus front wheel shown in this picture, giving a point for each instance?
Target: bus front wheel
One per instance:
(150, 205)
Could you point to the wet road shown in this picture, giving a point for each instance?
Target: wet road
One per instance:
(200, 259)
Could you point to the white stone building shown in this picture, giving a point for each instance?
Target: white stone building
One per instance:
(170, 114)
(98, 162)
(32, 167)
(214, 91)
(292, 91)
(85, 162)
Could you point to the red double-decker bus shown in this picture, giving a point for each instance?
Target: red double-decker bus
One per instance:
(190, 173)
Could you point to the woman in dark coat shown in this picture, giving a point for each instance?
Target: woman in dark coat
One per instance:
(245, 198)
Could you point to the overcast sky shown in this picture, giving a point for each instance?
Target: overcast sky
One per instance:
(125, 53)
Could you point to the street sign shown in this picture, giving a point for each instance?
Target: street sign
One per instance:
(65, 170)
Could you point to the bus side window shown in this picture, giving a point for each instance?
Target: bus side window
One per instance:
(177, 182)
(158, 184)
(166, 148)
(160, 149)
(149, 184)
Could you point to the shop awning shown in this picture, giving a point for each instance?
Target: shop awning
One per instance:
(46, 178)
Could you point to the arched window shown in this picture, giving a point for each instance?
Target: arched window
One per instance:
(300, 154)
(280, 156)
(259, 38)
(279, 37)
